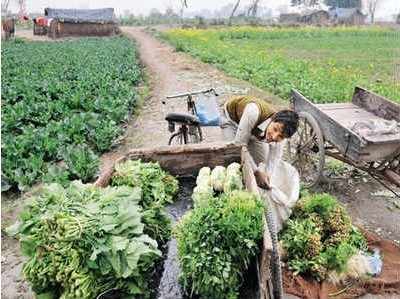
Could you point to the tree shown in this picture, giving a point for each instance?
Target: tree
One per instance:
(344, 3)
(183, 6)
(252, 11)
(304, 2)
(371, 7)
(233, 12)
(4, 6)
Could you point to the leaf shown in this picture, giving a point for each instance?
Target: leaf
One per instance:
(118, 243)
(14, 229)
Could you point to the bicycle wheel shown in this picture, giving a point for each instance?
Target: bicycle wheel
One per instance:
(176, 139)
(195, 134)
(180, 137)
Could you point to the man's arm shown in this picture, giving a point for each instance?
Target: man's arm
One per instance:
(247, 123)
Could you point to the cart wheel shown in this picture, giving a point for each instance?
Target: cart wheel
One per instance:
(306, 151)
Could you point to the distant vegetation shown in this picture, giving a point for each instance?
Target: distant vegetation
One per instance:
(323, 63)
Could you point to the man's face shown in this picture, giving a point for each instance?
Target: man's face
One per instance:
(274, 132)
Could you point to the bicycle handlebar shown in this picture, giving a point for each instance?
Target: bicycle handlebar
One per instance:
(186, 94)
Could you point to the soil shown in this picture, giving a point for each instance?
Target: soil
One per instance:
(170, 72)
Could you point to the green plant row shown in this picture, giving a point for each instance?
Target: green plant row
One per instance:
(58, 95)
(325, 64)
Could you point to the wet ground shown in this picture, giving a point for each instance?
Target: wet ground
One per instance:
(169, 287)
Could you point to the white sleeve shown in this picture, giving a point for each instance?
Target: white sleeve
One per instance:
(274, 156)
(247, 123)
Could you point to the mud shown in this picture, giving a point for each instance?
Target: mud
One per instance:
(169, 287)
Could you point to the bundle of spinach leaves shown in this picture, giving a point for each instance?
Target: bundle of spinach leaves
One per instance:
(158, 188)
(319, 237)
(83, 240)
(216, 242)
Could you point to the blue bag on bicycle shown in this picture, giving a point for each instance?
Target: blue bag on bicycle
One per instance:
(207, 111)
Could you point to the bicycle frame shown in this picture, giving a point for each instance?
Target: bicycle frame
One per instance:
(185, 131)
(191, 105)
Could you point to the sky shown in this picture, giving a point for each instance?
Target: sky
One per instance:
(386, 7)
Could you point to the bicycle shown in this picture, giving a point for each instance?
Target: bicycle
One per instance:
(189, 125)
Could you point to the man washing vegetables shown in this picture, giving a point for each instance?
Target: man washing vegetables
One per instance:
(252, 121)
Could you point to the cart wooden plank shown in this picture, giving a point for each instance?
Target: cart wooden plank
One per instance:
(345, 140)
(376, 104)
(265, 284)
(348, 114)
(184, 160)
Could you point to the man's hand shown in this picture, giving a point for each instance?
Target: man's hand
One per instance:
(262, 179)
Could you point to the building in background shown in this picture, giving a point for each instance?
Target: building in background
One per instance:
(81, 22)
(347, 16)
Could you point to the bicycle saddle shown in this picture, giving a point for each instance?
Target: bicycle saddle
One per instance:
(184, 118)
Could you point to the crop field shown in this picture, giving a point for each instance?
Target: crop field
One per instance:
(325, 64)
(63, 101)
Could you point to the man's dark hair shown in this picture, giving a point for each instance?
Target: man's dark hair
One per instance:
(289, 119)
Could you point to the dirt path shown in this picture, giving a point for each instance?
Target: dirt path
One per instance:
(170, 72)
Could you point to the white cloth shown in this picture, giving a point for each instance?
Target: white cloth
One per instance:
(284, 178)
(374, 127)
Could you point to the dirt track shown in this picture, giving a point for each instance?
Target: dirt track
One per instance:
(170, 72)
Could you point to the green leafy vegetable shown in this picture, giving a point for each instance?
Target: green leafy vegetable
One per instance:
(319, 237)
(233, 179)
(158, 188)
(216, 242)
(156, 184)
(218, 178)
(82, 162)
(83, 240)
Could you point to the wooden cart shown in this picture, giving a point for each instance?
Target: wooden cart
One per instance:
(186, 160)
(326, 129)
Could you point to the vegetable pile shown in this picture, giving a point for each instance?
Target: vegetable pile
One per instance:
(215, 181)
(158, 188)
(216, 242)
(219, 237)
(319, 237)
(56, 96)
(84, 240)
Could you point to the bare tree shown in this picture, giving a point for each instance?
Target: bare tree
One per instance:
(233, 12)
(371, 7)
(305, 2)
(183, 6)
(4, 6)
(252, 11)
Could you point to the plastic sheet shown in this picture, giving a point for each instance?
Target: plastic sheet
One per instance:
(207, 111)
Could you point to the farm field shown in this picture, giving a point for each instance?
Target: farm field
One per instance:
(63, 101)
(325, 64)
(106, 252)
